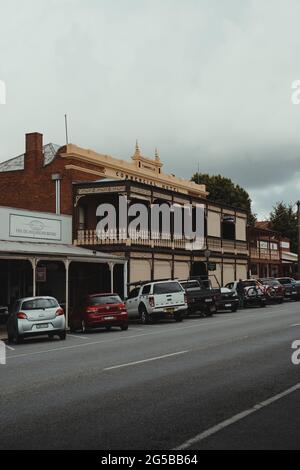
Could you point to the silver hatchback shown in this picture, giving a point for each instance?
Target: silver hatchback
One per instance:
(35, 316)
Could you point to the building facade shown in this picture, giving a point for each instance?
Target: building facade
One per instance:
(74, 181)
(269, 253)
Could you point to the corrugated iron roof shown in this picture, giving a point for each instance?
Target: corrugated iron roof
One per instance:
(54, 250)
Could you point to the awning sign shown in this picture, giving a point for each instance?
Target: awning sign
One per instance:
(41, 274)
(23, 226)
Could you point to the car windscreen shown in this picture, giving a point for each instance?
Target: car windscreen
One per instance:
(167, 288)
(37, 304)
(104, 300)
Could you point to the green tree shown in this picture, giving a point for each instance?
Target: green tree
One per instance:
(283, 219)
(222, 190)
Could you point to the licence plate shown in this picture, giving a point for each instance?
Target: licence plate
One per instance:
(227, 305)
(170, 310)
(109, 318)
(42, 326)
(294, 292)
(208, 300)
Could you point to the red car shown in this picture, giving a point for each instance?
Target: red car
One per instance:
(100, 311)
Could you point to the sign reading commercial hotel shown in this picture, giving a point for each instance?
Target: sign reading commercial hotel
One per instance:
(23, 226)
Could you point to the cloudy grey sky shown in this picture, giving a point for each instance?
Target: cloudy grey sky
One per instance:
(206, 81)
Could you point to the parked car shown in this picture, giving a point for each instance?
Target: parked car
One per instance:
(291, 288)
(273, 289)
(35, 316)
(254, 292)
(4, 314)
(151, 301)
(99, 311)
(226, 300)
(200, 297)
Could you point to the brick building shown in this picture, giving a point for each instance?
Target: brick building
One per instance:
(26, 181)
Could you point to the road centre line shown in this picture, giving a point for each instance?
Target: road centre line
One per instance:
(236, 418)
(151, 359)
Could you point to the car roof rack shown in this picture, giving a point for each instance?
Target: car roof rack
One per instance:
(141, 283)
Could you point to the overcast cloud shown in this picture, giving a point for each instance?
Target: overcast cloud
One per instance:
(206, 81)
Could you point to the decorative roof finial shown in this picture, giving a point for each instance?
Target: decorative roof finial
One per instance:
(157, 157)
(137, 152)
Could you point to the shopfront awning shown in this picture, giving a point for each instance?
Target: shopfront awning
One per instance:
(288, 257)
(25, 250)
(67, 254)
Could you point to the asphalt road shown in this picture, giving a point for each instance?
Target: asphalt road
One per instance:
(224, 382)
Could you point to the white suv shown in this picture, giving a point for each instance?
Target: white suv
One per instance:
(151, 301)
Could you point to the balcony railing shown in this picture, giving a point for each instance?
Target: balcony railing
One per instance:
(265, 254)
(143, 238)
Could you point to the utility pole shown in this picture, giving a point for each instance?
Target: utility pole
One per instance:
(298, 226)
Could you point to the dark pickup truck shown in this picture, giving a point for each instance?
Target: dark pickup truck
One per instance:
(291, 288)
(200, 297)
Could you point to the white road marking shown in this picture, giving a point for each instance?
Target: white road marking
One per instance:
(240, 416)
(151, 359)
(9, 347)
(295, 324)
(77, 336)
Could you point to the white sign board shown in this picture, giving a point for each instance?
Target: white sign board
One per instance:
(24, 226)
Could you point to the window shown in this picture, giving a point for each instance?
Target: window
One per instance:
(104, 299)
(228, 227)
(264, 245)
(37, 304)
(254, 270)
(190, 285)
(146, 289)
(134, 293)
(167, 288)
(82, 216)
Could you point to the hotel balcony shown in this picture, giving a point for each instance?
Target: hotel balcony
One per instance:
(264, 254)
(90, 238)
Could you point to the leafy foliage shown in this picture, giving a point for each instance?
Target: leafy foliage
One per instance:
(283, 219)
(222, 190)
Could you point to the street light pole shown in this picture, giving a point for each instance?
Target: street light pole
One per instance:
(298, 233)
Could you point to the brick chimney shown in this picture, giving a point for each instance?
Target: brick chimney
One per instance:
(34, 156)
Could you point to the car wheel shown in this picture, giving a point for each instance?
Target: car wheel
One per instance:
(17, 339)
(51, 336)
(234, 309)
(124, 327)
(262, 304)
(10, 338)
(144, 316)
(62, 335)
(83, 326)
(179, 317)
